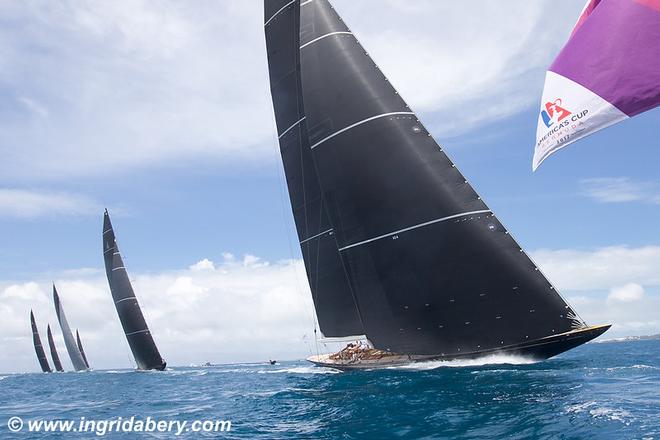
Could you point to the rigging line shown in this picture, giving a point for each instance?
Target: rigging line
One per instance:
(299, 127)
(303, 143)
(286, 230)
(316, 278)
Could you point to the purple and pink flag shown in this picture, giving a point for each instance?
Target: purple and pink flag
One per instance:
(608, 71)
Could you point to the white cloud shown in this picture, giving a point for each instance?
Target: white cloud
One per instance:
(130, 84)
(630, 292)
(600, 268)
(204, 264)
(119, 85)
(616, 285)
(251, 260)
(620, 190)
(30, 204)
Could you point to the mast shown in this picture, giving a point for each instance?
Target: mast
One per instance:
(132, 320)
(69, 341)
(432, 269)
(53, 351)
(38, 348)
(80, 347)
(331, 291)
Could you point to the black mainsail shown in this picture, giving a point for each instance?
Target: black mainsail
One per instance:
(430, 269)
(38, 348)
(77, 360)
(80, 347)
(132, 320)
(53, 351)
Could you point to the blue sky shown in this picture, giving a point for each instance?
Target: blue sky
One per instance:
(162, 114)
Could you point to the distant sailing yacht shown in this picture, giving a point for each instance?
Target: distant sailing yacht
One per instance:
(79, 363)
(399, 249)
(132, 320)
(38, 348)
(80, 347)
(53, 352)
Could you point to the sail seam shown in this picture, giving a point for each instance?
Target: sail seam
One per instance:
(107, 230)
(125, 299)
(324, 36)
(316, 236)
(280, 10)
(117, 268)
(410, 228)
(135, 333)
(364, 121)
(305, 3)
(290, 128)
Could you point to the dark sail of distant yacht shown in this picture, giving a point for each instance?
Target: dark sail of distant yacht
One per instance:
(76, 357)
(397, 244)
(53, 351)
(38, 348)
(80, 347)
(132, 320)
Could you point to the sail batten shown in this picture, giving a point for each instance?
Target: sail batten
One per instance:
(430, 268)
(140, 339)
(38, 348)
(410, 228)
(358, 123)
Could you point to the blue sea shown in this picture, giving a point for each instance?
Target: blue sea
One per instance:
(608, 390)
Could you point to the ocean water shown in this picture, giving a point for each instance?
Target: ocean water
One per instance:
(607, 390)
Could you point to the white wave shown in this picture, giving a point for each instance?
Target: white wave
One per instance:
(601, 412)
(301, 370)
(617, 414)
(188, 372)
(636, 367)
(579, 407)
(495, 359)
(605, 341)
(233, 370)
(644, 366)
(3, 377)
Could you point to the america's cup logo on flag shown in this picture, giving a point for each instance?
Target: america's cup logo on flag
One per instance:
(553, 112)
(608, 71)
